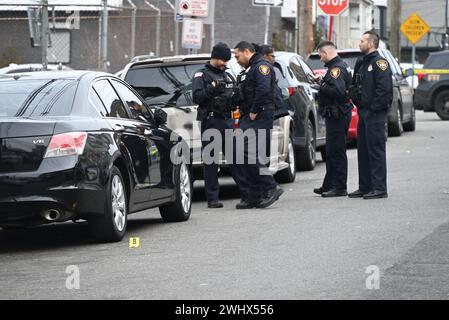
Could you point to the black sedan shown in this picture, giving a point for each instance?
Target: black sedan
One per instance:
(83, 145)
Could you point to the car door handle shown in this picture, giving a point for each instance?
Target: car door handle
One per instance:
(119, 128)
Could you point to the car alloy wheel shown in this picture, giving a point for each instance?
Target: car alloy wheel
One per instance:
(185, 188)
(118, 203)
(291, 158)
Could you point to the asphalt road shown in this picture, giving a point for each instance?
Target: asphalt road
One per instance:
(304, 247)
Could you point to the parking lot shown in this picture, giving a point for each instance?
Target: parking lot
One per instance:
(302, 247)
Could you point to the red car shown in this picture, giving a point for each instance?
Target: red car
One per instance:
(352, 133)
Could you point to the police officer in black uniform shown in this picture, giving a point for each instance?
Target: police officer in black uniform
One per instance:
(256, 91)
(372, 93)
(336, 108)
(212, 90)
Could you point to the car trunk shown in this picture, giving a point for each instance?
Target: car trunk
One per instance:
(23, 143)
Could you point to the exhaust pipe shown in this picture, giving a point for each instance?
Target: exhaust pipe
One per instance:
(52, 215)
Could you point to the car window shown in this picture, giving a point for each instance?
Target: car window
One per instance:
(110, 99)
(164, 84)
(134, 103)
(315, 63)
(36, 98)
(395, 68)
(282, 82)
(97, 103)
(437, 62)
(298, 71)
(310, 74)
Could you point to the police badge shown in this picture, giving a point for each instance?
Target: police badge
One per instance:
(264, 69)
(335, 73)
(382, 64)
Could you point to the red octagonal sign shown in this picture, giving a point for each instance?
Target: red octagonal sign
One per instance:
(333, 7)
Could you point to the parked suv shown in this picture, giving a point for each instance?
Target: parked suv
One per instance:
(432, 93)
(166, 82)
(308, 128)
(401, 115)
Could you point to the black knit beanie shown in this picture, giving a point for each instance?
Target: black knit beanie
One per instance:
(221, 51)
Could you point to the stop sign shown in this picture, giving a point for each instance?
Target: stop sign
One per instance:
(333, 7)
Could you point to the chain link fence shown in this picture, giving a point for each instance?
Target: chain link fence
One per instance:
(80, 38)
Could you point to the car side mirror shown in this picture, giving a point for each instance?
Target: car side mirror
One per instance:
(409, 73)
(160, 117)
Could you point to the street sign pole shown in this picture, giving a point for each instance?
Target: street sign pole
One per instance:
(414, 28)
(44, 35)
(267, 24)
(413, 66)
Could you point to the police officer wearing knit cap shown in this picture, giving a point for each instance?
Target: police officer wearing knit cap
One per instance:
(212, 90)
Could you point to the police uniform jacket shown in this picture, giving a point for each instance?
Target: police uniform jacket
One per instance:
(376, 82)
(259, 85)
(208, 97)
(335, 85)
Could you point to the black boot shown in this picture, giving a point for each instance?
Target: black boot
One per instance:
(214, 204)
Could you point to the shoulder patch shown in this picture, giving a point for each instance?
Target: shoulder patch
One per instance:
(335, 73)
(264, 69)
(198, 74)
(382, 64)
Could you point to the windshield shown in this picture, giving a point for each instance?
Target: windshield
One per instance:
(36, 98)
(171, 85)
(437, 62)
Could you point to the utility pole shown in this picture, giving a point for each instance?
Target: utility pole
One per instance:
(304, 29)
(395, 39)
(104, 37)
(446, 36)
(176, 27)
(44, 35)
(158, 27)
(298, 17)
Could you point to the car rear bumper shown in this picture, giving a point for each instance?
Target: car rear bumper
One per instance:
(24, 197)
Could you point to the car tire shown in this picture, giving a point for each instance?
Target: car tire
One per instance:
(411, 125)
(111, 227)
(288, 175)
(306, 156)
(395, 129)
(442, 105)
(180, 209)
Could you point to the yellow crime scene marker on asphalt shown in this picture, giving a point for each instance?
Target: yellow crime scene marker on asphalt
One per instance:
(414, 28)
(134, 242)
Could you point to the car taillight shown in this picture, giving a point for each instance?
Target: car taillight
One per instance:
(292, 90)
(66, 144)
(421, 76)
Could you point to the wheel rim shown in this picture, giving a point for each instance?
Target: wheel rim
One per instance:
(312, 143)
(291, 158)
(118, 203)
(185, 188)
